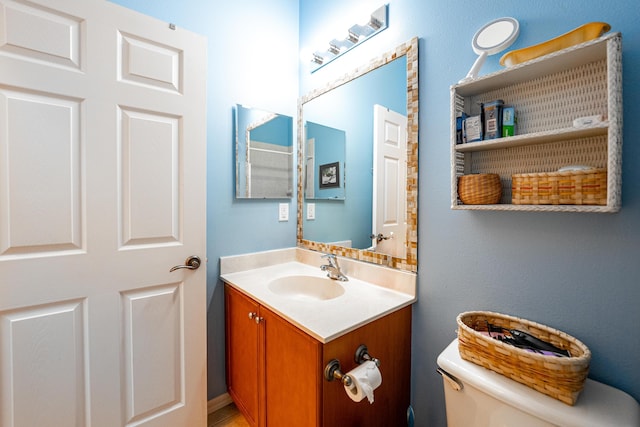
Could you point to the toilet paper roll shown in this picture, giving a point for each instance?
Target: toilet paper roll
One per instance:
(364, 379)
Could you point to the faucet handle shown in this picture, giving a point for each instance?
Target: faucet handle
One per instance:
(333, 260)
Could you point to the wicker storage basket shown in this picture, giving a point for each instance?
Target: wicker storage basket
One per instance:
(584, 187)
(479, 189)
(559, 377)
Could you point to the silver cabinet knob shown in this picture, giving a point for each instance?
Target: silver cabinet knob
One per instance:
(254, 316)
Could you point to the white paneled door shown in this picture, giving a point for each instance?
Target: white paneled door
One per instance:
(102, 192)
(389, 181)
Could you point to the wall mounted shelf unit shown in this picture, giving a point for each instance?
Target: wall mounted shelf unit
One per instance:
(548, 93)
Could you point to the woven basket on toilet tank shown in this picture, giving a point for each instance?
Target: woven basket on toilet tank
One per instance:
(559, 377)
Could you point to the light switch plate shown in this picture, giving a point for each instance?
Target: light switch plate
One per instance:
(311, 211)
(283, 212)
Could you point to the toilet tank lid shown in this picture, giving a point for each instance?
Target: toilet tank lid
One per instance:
(597, 405)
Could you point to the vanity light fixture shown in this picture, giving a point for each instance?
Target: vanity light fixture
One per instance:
(378, 21)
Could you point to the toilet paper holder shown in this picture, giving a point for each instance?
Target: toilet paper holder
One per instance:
(362, 355)
(332, 370)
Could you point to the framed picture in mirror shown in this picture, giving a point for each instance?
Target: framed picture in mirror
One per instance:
(329, 175)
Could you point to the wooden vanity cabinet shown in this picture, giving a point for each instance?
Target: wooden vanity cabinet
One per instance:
(275, 371)
(242, 353)
(272, 373)
(389, 340)
(292, 380)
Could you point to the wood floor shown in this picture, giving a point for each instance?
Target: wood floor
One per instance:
(229, 416)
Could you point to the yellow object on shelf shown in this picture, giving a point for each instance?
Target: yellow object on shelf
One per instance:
(581, 34)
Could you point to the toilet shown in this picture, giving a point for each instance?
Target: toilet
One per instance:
(479, 397)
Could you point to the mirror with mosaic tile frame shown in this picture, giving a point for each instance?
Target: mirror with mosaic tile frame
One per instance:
(407, 55)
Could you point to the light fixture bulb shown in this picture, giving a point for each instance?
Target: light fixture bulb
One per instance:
(376, 22)
(317, 59)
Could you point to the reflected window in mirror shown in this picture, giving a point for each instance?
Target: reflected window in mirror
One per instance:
(376, 102)
(264, 154)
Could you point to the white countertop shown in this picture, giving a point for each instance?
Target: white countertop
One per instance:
(361, 303)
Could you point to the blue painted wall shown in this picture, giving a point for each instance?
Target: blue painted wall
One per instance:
(576, 272)
(278, 131)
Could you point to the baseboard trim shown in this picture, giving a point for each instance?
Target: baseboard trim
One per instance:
(218, 402)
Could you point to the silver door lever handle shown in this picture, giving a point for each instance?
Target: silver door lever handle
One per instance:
(380, 237)
(191, 263)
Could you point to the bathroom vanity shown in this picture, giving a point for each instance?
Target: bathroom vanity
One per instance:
(279, 343)
(286, 323)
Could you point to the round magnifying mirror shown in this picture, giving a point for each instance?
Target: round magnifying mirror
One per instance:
(492, 38)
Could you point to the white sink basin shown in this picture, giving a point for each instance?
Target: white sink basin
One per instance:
(306, 287)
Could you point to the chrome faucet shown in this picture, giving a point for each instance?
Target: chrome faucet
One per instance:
(333, 269)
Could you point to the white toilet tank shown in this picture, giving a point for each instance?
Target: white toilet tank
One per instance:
(488, 399)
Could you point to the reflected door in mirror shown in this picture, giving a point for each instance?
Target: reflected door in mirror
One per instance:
(389, 186)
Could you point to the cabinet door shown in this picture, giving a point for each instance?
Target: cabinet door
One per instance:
(293, 373)
(242, 353)
(389, 339)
